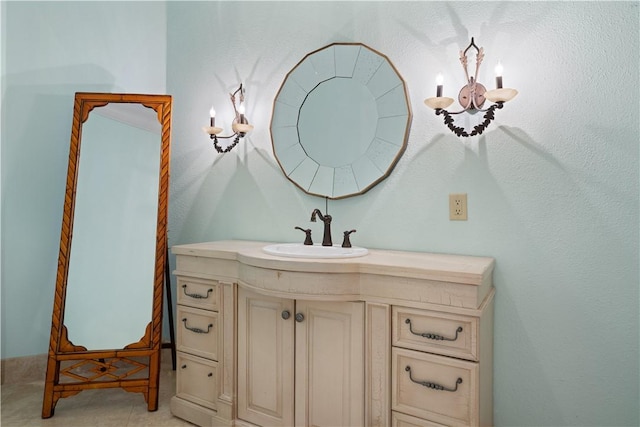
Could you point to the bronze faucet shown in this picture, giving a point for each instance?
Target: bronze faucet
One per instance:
(326, 239)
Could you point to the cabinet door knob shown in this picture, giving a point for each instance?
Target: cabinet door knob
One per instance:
(299, 317)
(286, 314)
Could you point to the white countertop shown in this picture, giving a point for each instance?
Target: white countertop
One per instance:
(470, 270)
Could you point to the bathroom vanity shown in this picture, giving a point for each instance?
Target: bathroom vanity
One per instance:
(388, 339)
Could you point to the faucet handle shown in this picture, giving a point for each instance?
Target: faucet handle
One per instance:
(346, 243)
(307, 239)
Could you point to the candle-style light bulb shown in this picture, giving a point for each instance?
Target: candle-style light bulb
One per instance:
(439, 81)
(212, 113)
(241, 112)
(499, 70)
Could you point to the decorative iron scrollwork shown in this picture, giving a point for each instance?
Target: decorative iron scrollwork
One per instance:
(196, 296)
(478, 129)
(432, 336)
(197, 330)
(431, 385)
(229, 147)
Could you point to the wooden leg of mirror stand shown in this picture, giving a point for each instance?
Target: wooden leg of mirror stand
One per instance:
(154, 381)
(51, 395)
(48, 402)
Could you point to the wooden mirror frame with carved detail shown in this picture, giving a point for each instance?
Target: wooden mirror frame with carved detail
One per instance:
(64, 358)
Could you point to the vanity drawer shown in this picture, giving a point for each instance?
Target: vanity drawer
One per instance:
(399, 419)
(437, 388)
(197, 380)
(435, 332)
(197, 332)
(198, 293)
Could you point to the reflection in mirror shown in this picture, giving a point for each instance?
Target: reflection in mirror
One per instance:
(336, 111)
(106, 326)
(340, 121)
(112, 257)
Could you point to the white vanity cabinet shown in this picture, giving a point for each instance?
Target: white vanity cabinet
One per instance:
(437, 363)
(300, 362)
(198, 342)
(389, 339)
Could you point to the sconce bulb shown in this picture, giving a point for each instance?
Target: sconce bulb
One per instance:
(499, 70)
(439, 80)
(241, 108)
(212, 112)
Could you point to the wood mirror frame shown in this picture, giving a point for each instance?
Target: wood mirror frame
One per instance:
(134, 368)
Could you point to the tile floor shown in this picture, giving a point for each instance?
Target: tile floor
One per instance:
(21, 406)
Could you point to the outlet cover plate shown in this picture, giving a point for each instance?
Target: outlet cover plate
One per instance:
(458, 207)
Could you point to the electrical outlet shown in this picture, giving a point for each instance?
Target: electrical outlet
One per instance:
(458, 207)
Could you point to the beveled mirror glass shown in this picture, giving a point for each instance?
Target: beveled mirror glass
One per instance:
(340, 121)
(107, 315)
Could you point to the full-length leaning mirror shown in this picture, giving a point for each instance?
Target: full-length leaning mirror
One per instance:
(106, 328)
(340, 120)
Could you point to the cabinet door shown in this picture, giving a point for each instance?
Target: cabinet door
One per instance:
(329, 364)
(265, 359)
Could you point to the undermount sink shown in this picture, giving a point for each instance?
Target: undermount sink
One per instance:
(298, 250)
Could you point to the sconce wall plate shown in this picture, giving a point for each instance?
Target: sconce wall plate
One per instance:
(472, 97)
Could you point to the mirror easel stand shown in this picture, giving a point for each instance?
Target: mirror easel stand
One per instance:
(172, 343)
(135, 367)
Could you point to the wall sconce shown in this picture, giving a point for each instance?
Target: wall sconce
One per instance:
(472, 96)
(240, 124)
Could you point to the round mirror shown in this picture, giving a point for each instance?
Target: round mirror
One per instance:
(340, 121)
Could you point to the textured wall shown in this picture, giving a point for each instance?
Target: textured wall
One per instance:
(552, 186)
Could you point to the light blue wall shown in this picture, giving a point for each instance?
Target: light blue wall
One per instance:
(552, 186)
(52, 50)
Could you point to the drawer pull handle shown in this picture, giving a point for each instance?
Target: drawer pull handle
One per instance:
(286, 314)
(210, 374)
(196, 296)
(433, 386)
(184, 366)
(197, 330)
(433, 336)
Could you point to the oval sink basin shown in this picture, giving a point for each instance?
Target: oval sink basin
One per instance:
(298, 250)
